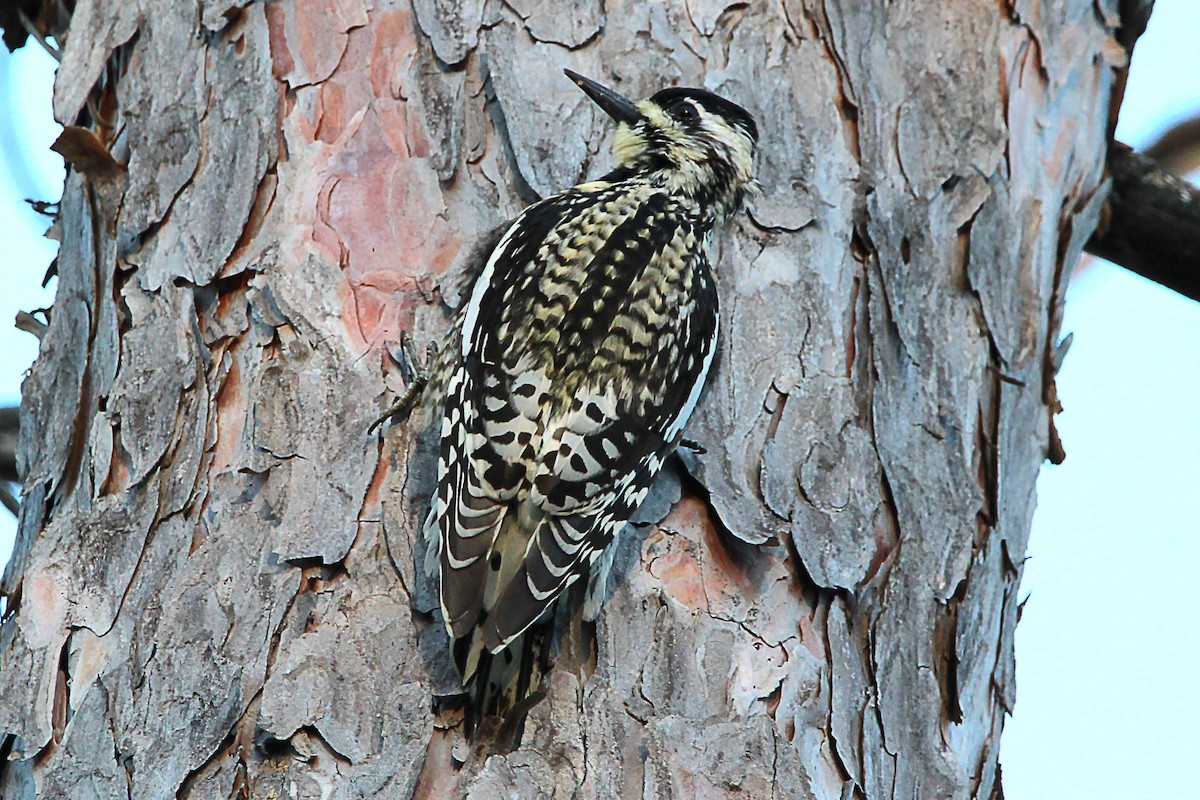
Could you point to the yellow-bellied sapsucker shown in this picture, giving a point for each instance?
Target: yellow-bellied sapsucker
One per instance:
(581, 353)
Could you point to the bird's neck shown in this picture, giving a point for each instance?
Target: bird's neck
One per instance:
(709, 203)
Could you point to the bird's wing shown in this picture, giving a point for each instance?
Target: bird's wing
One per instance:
(472, 499)
(598, 459)
(573, 388)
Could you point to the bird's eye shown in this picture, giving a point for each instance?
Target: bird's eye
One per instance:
(685, 112)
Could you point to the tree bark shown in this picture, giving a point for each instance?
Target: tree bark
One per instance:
(217, 589)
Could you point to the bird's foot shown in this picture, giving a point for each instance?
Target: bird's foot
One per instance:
(415, 372)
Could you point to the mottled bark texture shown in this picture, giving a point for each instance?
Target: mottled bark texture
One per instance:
(216, 590)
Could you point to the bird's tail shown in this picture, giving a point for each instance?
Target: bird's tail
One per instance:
(502, 687)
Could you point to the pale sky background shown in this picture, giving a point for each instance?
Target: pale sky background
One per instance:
(1108, 646)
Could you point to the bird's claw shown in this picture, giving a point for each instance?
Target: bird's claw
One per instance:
(415, 372)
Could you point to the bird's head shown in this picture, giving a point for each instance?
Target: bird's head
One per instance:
(695, 142)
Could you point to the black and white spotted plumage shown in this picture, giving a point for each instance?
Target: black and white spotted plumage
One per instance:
(583, 349)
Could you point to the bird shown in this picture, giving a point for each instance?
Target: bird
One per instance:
(578, 357)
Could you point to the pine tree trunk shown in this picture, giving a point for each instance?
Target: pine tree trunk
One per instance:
(217, 589)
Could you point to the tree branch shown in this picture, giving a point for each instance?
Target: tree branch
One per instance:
(1151, 224)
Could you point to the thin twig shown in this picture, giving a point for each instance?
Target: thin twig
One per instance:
(32, 30)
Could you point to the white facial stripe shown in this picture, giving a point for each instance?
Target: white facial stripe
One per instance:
(737, 142)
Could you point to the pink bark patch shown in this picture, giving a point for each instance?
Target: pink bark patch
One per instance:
(231, 419)
(694, 568)
(308, 41)
(360, 148)
(673, 560)
(46, 609)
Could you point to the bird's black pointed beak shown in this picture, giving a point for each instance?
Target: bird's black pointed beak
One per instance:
(616, 106)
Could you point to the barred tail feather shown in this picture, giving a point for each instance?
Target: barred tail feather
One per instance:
(503, 685)
(500, 681)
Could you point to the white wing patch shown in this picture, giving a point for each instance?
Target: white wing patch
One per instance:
(471, 319)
